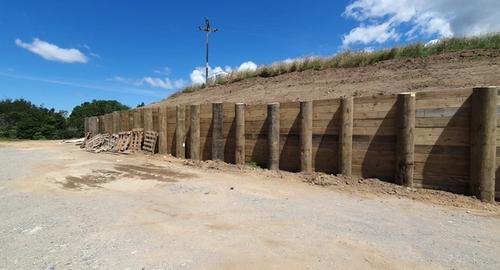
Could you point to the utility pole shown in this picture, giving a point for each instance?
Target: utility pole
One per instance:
(207, 31)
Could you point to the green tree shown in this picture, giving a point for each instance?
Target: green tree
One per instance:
(96, 107)
(20, 119)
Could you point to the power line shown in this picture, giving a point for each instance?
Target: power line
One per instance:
(208, 29)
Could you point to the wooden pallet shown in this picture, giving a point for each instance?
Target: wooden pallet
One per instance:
(136, 139)
(123, 141)
(150, 140)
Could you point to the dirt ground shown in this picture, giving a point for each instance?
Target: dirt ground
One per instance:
(455, 70)
(63, 208)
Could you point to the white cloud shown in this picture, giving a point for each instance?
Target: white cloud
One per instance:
(385, 20)
(121, 90)
(154, 82)
(52, 52)
(248, 66)
(431, 42)
(158, 82)
(164, 83)
(372, 33)
(197, 76)
(163, 71)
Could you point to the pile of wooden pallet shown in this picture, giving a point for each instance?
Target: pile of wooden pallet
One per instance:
(123, 142)
(98, 143)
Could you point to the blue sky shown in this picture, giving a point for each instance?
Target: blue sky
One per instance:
(62, 53)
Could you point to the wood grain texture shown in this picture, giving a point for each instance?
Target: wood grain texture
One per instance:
(345, 143)
(405, 150)
(273, 139)
(240, 133)
(483, 142)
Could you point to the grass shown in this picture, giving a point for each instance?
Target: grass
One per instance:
(350, 59)
(252, 164)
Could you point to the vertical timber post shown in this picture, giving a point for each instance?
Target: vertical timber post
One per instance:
(124, 120)
(108, 123)
(142, 111)
(100, 122)
(218, 131)
(130, 119)
(345, 138)
(116, 122)
(137, 118)
(239, 154)
(483, 142)
(306, 111)
(162, 134)
(148, 119)
(94, 125)
(273, 139)
(180, 132)
(194, 136)
(405, 148)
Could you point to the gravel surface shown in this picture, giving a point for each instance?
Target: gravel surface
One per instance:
(62, 208)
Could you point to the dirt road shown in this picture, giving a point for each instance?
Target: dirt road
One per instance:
(62, 208)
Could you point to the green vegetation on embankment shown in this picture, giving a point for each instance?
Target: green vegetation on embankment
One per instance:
(350, 59)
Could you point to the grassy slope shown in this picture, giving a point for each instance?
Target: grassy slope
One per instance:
(349, 59)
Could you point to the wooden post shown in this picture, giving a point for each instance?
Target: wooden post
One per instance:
(218, 131)
(273, 139)
(142, 110)
(124, 120)
(148, 119)
(345, 138)
(194, 136)
(116, 122)
(239, 109)
(180, 132)
(306, 116)
(162, 134)
(405, 149)
(483, 142)
(137, 118)
(101, 124)
(109, 123)
(130, 119)
(93, 125)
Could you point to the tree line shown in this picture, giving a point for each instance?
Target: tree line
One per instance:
(21, 119)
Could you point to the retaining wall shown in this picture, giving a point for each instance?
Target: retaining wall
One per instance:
(421, 139)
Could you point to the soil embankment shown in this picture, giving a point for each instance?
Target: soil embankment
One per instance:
(455, 70)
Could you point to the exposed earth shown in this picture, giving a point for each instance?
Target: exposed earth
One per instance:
(453, 70)
(63, 208)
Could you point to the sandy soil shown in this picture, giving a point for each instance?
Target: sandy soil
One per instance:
(63, 208)
(455, 70)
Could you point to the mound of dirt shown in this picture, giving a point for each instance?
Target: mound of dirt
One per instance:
(369, 187)
(455, 70)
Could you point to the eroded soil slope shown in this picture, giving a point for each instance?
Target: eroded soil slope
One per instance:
(454, 70)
